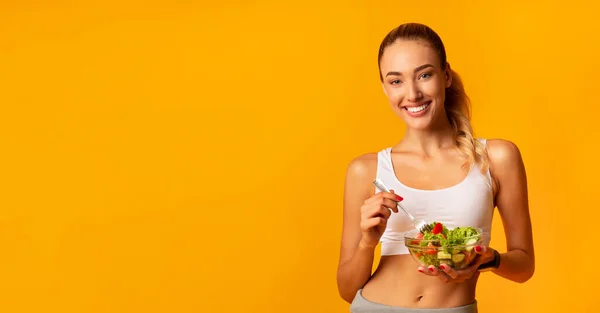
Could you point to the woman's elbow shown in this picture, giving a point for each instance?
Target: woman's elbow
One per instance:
(526, 275)
(347, 294)
(345, 291)
(529, 274)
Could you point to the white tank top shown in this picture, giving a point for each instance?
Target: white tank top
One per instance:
(468, 203)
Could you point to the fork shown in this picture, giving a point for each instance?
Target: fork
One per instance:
(420, 224)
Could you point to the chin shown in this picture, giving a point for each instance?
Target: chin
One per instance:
(419, 125)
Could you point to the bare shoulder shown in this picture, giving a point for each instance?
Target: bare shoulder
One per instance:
(363, 166)
(503, 154)
(506, 163)
(360, 174)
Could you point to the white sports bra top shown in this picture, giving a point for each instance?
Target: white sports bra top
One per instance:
(468, 203)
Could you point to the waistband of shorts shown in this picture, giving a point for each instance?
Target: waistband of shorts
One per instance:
(362, 305)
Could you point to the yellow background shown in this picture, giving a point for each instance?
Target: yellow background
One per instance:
(189, 157)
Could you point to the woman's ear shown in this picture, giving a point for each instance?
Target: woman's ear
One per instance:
(448, 73)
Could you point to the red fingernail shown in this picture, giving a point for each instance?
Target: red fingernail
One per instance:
(420, 270)
(400, 198)
(478, 248)
(431, 269)
(443, 267)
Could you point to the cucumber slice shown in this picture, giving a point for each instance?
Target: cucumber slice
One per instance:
(444, 256)
(457, 258)
(470, 243)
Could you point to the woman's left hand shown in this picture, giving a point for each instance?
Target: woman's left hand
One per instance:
(449, 275)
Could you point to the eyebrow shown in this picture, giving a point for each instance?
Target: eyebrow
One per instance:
(416, 70)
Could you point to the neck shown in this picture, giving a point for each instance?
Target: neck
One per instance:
(429, 141)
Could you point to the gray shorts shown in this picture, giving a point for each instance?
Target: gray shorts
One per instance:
(362, 305)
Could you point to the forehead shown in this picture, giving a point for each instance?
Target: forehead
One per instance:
(406, 55)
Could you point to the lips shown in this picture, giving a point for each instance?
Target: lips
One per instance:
(417, 107)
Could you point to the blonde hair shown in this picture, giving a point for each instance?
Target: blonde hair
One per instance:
(457, 104)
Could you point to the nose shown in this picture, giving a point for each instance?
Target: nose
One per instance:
(414, 94)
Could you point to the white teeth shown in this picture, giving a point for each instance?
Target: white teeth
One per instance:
(418, 109)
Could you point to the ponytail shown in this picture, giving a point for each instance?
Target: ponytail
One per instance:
(458, 111)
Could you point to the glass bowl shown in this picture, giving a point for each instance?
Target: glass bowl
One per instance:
(431, 252)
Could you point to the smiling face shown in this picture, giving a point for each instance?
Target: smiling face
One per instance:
(414, 82)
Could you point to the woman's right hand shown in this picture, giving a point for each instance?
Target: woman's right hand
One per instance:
(375, 212)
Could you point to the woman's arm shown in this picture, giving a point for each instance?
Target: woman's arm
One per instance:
(356, 258)
(508, 172)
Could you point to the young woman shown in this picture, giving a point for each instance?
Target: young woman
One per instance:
(441, 173)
